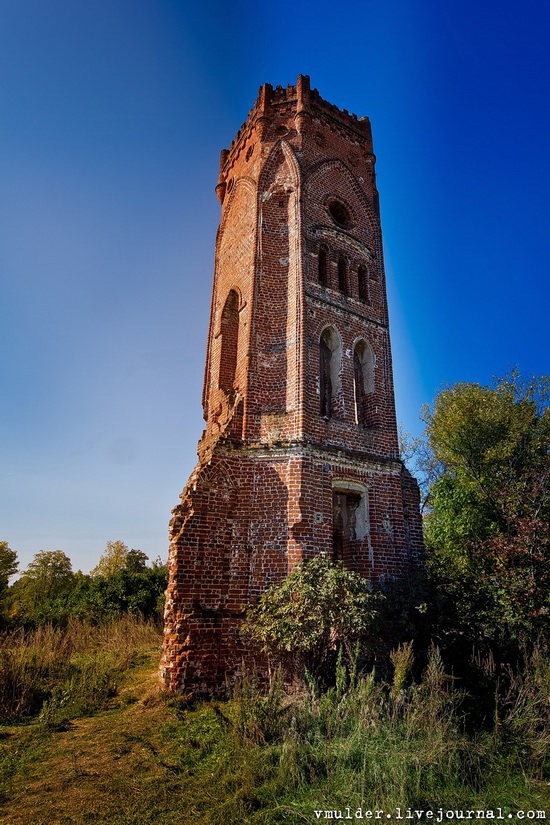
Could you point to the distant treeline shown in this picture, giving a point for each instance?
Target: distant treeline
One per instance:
(49, 592)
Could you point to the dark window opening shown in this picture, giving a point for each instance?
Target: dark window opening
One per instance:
(363, 385)
(340, 214)
(359, 390)
(323, 265)
(344, 524)
(342, 275)
(326, 380)
(330, 368)
(363, 284)
(229, 342)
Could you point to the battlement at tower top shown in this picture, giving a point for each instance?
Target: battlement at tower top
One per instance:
(304, 101)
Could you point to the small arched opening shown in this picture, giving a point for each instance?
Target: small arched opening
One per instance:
(364, 385)
(330, 361)
(229, 342)
(363, 284)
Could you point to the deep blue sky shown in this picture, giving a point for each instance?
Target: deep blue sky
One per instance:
(112, 116)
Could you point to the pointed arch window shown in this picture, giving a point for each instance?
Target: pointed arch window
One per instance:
(330, 358)
(363, 380)
(229, 342)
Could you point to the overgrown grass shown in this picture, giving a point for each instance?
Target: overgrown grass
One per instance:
(364, 744)
(262, 758)
(69, 672)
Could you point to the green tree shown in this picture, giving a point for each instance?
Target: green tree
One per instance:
(8, 565)
(8, 568)
(50, 573)
(487, 527)
(116, 557)
(48, 577)
(318, 610)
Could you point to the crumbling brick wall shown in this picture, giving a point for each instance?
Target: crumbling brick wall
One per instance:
(299, 455)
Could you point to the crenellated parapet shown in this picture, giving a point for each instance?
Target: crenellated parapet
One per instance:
(286, 112)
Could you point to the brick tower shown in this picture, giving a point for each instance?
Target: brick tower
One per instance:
(300, 452)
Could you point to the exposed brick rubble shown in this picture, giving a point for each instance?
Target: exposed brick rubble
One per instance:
(300, 449)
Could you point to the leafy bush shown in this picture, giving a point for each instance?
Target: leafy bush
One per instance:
(318, 610)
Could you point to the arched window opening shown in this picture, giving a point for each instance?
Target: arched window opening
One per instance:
(323, 265)
(326, 380)
(343, 275)
(344, 523)
(363, 380)
(330, 356)
(229, 342)
(350, 521)
(363, 284)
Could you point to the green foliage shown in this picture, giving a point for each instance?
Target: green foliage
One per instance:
(487, 529)
(118, 557)
(489, 437)
(48, 578)
(90, 682)
(8, 564)
(8, 568)
(126, 591)
(363, 743)
(265, 758)
(49, 592)
(319, 609)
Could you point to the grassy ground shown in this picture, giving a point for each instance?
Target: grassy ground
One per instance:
(144, 759)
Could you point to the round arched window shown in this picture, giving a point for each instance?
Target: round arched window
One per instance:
(339, 213)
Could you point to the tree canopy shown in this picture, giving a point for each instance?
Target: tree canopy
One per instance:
(487, 526)
(116, 557)
(122, 582)
(8, 564)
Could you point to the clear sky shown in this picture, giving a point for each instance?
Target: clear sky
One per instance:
(112, 117)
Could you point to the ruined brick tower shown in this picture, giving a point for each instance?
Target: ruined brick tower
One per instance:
(300, 452)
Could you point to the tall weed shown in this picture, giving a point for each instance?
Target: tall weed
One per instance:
(365, 742)
(68, 671)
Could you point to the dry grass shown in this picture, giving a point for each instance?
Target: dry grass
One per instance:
(35, 663)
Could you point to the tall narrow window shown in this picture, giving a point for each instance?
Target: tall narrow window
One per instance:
(323, 265)
(343, 275)
(350, 522)
(344, 523)
(363, 375)
(330, 357)
(326, 381)
(363, 284)
(229, 342)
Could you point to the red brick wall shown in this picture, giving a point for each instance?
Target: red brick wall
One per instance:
(261, 496)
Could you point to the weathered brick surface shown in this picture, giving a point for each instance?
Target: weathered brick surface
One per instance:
(282, 476)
